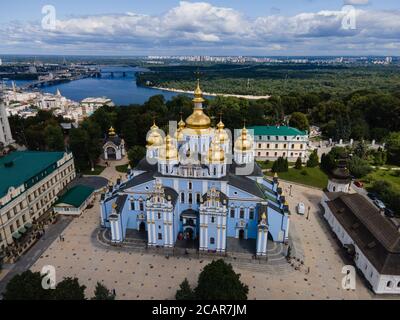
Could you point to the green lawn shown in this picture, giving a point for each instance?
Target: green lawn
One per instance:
(97, 171)
(385, 175)
(313, 177)
(122, 169)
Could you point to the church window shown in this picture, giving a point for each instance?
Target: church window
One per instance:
(212, 220)
(251, 214)
(259, 154)
(398, 284)
(259, 145)
(268, 146)
(198, 198)
(141, 206)
(159, 216)
(276, 146)
(301, 146)
(190, 198)
(284, 146)
(212, 240)
(232, 212)
(215, 171)
(133, 205)
(190, 186)
(389, 284)
(182, 197)
(160, 236)
(241, 213)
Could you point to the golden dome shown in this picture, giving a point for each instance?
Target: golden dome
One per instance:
(244, 142)
(111, 131)
(181, 124)
(216, 154)
(155, 138)
(198, 94)
(168, 151)
(264, 216)
(179, 134)
(221, 133)
(198, 119)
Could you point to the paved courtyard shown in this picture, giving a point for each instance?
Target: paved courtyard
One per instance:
(136, 275)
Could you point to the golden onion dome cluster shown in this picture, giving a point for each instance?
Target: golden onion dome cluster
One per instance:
(154, 138)
(169, 151)
(216, 154)
(244, 142)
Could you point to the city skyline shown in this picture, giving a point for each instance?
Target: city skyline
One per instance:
(270, 28)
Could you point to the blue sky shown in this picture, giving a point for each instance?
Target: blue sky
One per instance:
(256, 27)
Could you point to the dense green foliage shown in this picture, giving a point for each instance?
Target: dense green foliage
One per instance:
(135, 154)
(217, 281)
(280, 165)
(185, 292)
(389, 193)
(313, 160)
(28, 286)
(102, 293)
(274, 79)
(299, 120)
(299, 164)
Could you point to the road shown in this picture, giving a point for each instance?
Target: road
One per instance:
(34, 253)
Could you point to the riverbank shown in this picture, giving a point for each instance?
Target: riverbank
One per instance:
(249, 97)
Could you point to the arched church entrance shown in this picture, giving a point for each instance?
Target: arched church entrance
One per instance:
(188, 234)
(111, 153)
(142, 227)
(241, 234)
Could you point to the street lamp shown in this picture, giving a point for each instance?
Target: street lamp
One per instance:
(308, 213)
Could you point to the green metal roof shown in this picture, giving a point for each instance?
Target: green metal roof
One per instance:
(277, 131)
(76, 196)
(21, 167)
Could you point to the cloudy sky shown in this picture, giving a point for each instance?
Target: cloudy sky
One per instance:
(220, 27)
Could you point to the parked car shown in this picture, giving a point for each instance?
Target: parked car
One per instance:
(372, 195)
(358, 184)
(301, 208)
(389, 213)
(379, 204)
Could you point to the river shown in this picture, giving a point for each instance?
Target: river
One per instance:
(123, 90)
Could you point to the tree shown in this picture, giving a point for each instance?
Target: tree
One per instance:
(54, 137)
(185, 292)
(69, 289)
(26, 286)
(359, 167)
(299, 164)
(313, 161)
(280, 165)
(299, 120)
(102, 293)
(135, 154)
(218, 281)
(361, 149)
(328, 162)
(393, 148)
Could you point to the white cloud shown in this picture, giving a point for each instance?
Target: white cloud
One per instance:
(356, 2)
(199, 26)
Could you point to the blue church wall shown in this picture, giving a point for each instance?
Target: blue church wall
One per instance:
(277, 223)
(212, 233)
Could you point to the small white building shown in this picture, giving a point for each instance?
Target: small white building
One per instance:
(114, 146)
(369, 237)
